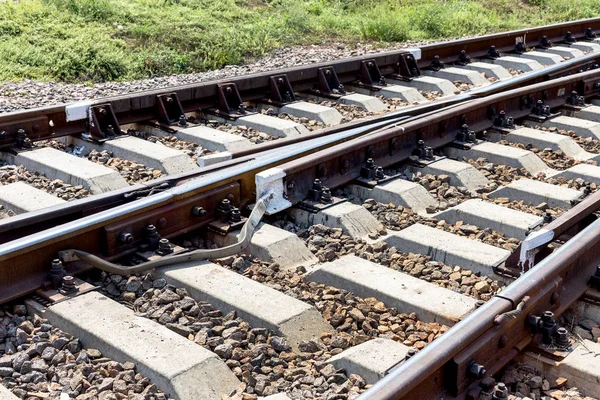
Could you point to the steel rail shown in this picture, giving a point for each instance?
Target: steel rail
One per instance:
(67, 119)
(25, 261)
(439, 370)
(39, 220)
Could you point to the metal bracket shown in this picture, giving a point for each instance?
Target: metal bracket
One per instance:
(53, 296)
(329, 84)
(407, 68)
(230, 105)
(103, 122)
(170, 110)
(370, 76)
(281, 91)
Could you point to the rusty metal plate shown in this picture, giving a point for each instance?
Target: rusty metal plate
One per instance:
(171, 220)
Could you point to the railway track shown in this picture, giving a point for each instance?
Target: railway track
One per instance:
(413, 253)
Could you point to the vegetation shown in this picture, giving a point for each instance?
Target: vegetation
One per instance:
(102, 40)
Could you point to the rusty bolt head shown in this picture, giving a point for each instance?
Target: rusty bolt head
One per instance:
(162, 222)
(476, 370)
(125, 237)
(199, 211)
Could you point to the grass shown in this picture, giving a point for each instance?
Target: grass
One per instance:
(108, 40)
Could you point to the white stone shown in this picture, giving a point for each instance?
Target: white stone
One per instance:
(542, 57)
(512, 223)
(460, 173)
(517, 63)
(56, 164)
(178, 366)
(152, 155)
(591, 113)
(490, 70)
(354, 220)
(214, 158)
(273, 244)
(565, 52)
(589, 173)
(430, 84)
(371, 360)
(273, 126)
(368, 103)
(21, 198)
(504, 155)
(327, 115)
(448, 248)
(399, 192)
(459, 74)
(6, 394)
(535, 192)
(258, 304)
(548, 140)
(585, 46)
(580, 127)
(213, 139)
(395, 289)
(579, 367)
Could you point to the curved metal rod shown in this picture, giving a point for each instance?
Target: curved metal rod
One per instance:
(202, 254)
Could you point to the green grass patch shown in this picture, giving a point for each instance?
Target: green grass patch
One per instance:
(111, 40)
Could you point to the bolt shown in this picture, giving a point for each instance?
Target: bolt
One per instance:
(164, 247)
(502, 341)
(326, 195)
(548, 317)
(411, 352)
(125, 237)
(198, 211)
(487, 384)
(235, 215)
(547, 218)
(562, 337)
(476, 370)
(226, 205)
(500, 392)
(56, 273)
(371, 163)
(68, 284)
(317, 185)
(479, 303)
(182, 120)
(169, 100)
(379, 173)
